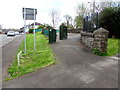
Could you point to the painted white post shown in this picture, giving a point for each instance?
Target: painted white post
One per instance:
(34, 32)
(24, 30)
(18, 60)
(19, 57)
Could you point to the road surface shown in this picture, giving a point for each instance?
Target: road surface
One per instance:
(6, 39)
(9, 48)
(75, 68)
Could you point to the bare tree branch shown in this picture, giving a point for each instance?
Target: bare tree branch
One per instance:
(68, 19)
(54, 14)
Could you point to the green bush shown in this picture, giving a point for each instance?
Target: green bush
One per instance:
(49, 27)
(97, 52)
(31, 30)
(41, 27)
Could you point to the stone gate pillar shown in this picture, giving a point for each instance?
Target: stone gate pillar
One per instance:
(100, 39)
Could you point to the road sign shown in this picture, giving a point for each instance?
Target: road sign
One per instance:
(29, 14)
(29, 11)
(29, 17)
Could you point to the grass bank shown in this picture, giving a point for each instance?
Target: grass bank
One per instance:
(32, 60)
(113, 47)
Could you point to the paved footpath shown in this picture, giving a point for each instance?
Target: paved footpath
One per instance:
(75, 68)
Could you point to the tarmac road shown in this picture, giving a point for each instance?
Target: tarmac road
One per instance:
(6, 39)
(75, 68)
(9, 48)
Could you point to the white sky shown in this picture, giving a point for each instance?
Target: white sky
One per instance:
(11, 10)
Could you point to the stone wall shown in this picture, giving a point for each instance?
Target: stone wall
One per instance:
(97, 39)
(74, 30)
(87, 39)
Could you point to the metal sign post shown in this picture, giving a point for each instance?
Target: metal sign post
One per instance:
(29, 14)
(24, 30)
(34, 32)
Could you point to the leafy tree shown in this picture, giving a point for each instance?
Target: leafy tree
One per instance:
(109, 18)
(81, 11)
(49, 27)
(78, 21)
(41, 27)
(31, 30)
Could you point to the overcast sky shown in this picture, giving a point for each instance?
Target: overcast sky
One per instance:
(11, 10)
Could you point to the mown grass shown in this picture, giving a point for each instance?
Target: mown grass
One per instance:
(113, 47)
(32, 60)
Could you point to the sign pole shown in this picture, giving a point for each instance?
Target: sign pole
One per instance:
(29, 14)
(24, 30)
(34, 32)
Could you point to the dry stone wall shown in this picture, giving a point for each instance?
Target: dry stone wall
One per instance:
(97, 39)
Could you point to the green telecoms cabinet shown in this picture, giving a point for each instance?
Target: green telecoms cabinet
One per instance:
(52, 35)
(63, 32)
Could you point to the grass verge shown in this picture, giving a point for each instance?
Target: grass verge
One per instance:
(32, 60)
(112, 48)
